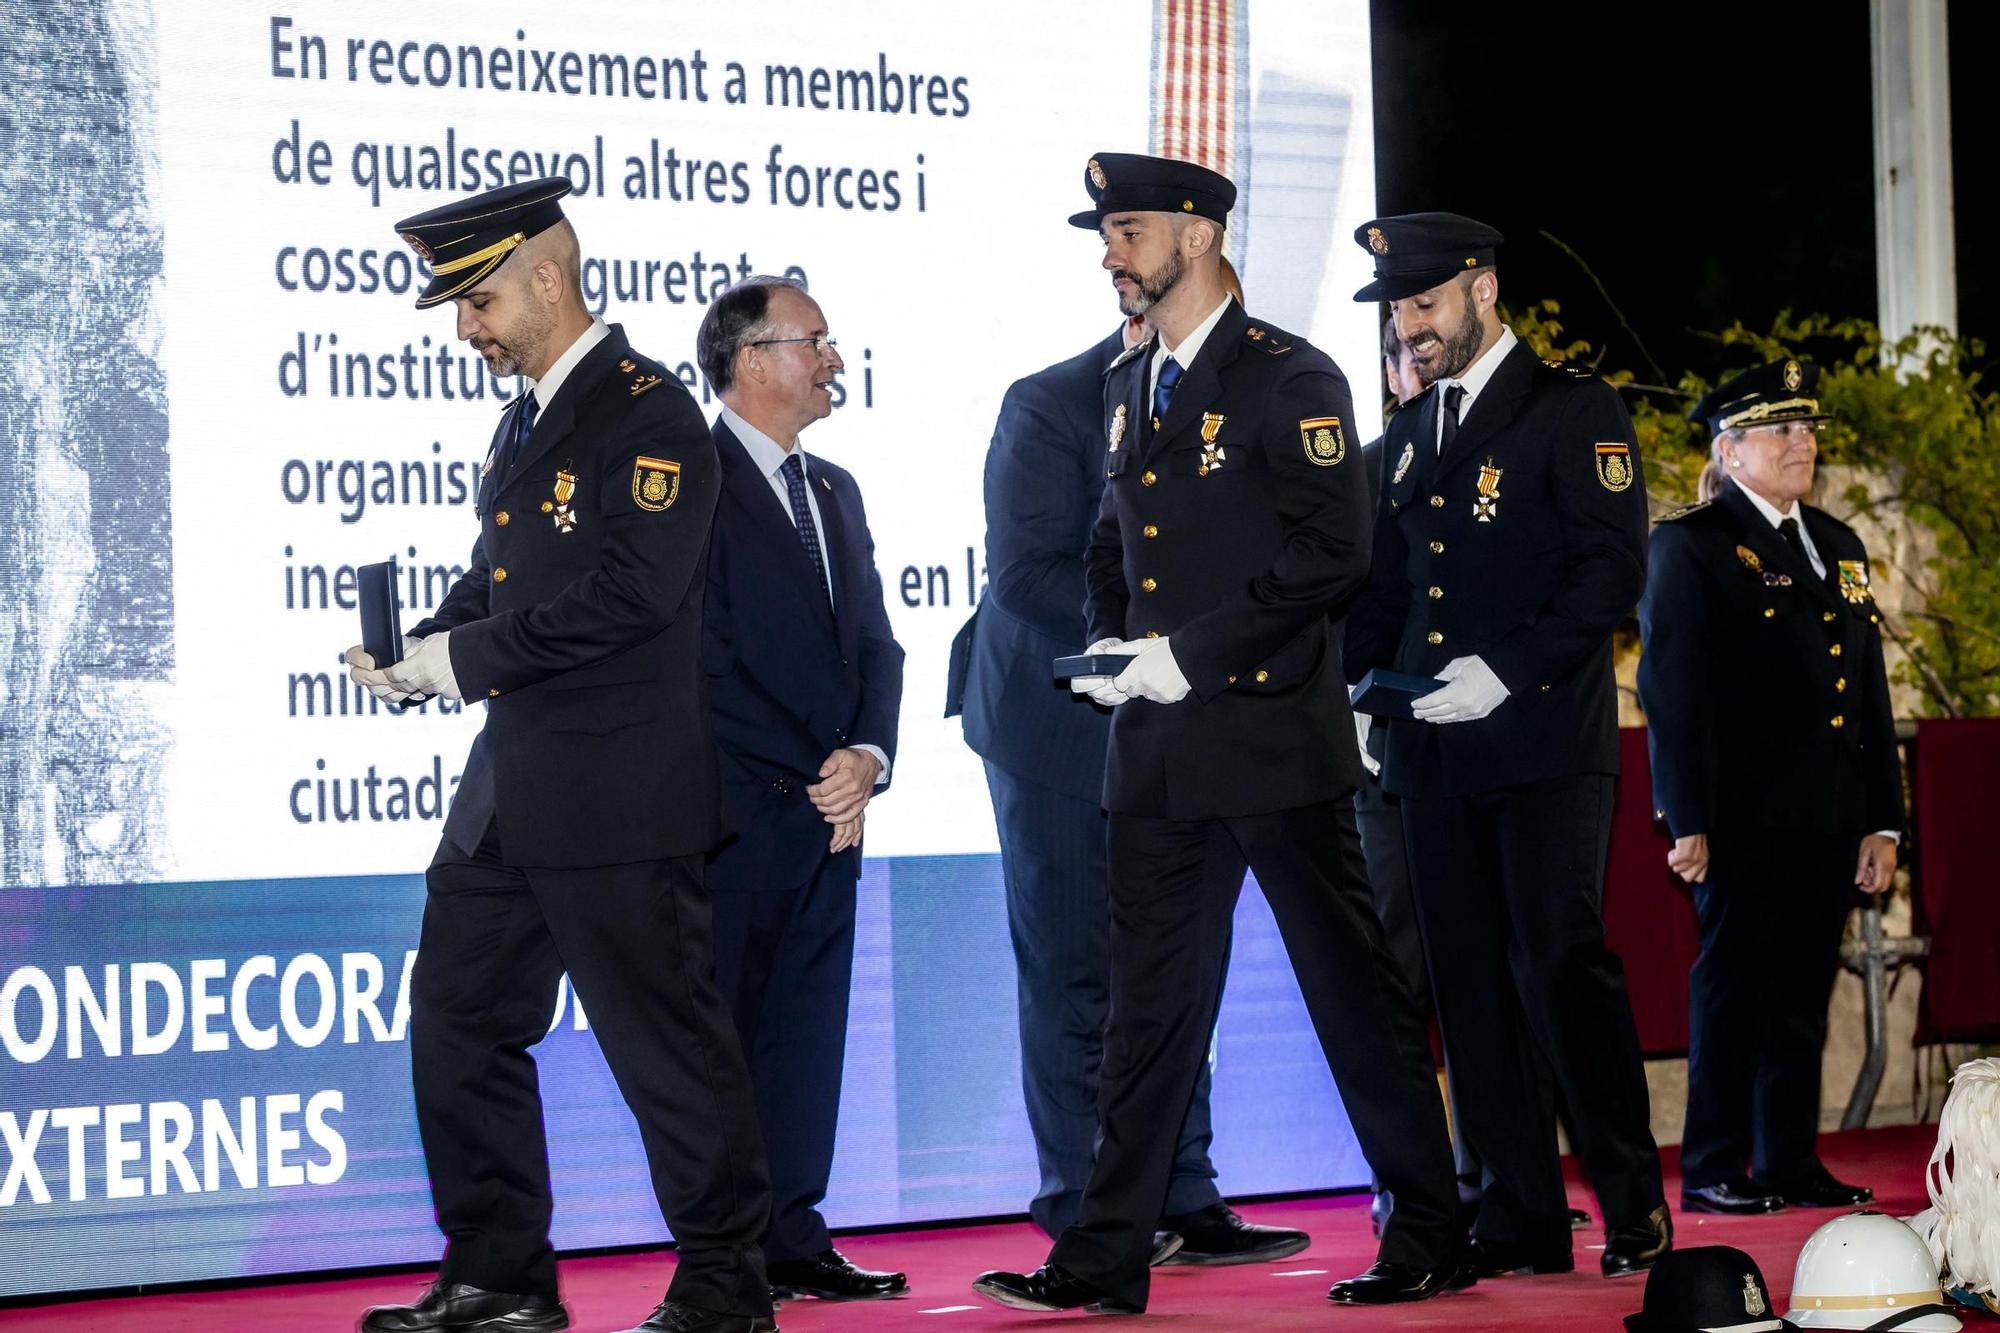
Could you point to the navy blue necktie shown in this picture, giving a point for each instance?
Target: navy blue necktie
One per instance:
(524, 424)
(794, 469)
(1163, 390)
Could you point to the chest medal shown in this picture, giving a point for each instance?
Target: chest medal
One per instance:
(1486, 507)
(565, 517)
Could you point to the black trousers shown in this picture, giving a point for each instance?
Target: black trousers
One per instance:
(785, 961)
(635, 941)
(1052, 858)
(1772, 910)
(1510, 891)
(1379, 818)
(1174, 886)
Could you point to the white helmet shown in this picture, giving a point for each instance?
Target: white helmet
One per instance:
(1868, 1271)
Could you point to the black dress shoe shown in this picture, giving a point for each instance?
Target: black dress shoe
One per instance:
(1818, 1189)
(1392, 1284)
(1578, 1219)
(1216, 1235)
(829, 1276)
(1738, 1196)
(672, 1316)
(1166, 1244)
(454, 1307)
(1632, 1249)
(1050, 1287)
(1495, 1258)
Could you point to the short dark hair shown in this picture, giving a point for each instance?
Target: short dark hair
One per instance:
(734, 319)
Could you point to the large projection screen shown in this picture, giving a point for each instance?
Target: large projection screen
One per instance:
(216, 399)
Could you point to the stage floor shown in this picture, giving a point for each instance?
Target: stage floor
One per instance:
(613, 1292)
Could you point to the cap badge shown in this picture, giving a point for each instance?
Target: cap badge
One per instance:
(1794, 376)
(1486, 507)
(1614, 466)
(1753, 1299)
(416, 243)
(1117, 428)
(1403, 464)
(1097, 176)
(1377, 241)
(1325, 443)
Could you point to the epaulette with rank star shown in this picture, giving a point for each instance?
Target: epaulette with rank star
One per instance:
(1685, 510)
(641, 383)
(1266, 341)
(1574, 369)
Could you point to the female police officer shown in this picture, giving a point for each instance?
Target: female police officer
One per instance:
(1774, 766)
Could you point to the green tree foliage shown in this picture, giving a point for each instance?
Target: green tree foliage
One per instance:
(1913, 420)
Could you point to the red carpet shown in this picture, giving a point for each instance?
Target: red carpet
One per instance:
(613, 1292)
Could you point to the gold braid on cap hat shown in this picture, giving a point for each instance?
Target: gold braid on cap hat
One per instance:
(1765, 411)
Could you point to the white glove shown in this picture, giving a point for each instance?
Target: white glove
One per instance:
(361, 669)
(1363, 724)
(1471, 692)
(1154, 674)
(427, 670)
(1102, 689)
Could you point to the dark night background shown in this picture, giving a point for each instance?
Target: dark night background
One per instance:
(1710, 161)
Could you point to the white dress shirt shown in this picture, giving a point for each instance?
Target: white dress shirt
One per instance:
(550, 384)
(1189, 349)
(1474, 379)
(1776, 516)
(768, 456)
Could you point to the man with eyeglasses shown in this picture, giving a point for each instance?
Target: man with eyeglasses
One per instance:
(1775, 768)
(805, 680)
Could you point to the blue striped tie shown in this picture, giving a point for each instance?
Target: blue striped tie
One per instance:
(524, 425)
(795, 486)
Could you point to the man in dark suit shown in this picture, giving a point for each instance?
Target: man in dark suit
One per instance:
(1233, 521)
(1044, 751)
(1509, 542)
(805, 680)
(1775, 768)
(588, 803)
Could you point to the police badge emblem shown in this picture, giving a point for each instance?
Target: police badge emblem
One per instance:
(1753, 1298)
(416, 242)
(1377, 241)
(1325, 443)
(1403, 464)
(656, 483)
(1854, 581)
(1117, 428)
(1097, 177)
(1794, 375)
(1486, 507)
(1614, 466)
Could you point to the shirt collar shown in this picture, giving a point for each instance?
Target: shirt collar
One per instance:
(1191, 345)
(764, 451)
(1772, 514)
(550, 384)
(1479, 372)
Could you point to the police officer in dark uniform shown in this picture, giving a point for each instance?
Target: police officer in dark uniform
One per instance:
(1774, 766)
(578, 833)
(1234, 520)
(1509, 542)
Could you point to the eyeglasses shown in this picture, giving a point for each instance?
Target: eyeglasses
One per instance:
(821, 344)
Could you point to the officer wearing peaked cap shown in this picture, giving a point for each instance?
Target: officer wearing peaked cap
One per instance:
(1510, 541)
(1234, 520)
(1775, 768)
(576, 839)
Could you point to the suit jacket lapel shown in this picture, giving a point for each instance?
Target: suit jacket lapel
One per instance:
(1497, 405)
(489, 471)
(1769, 546)
(771, 519)
(1202, 380)
(557, 419)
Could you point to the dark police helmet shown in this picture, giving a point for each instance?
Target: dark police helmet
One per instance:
(465, 241)
(1415, 252)
(1135, 183)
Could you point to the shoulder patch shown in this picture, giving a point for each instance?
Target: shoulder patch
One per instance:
(1325, 443)
(656, 483)
(1684, 511)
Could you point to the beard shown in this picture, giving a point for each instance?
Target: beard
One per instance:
(1459, 349)
(524, 345)
(1151, 288)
